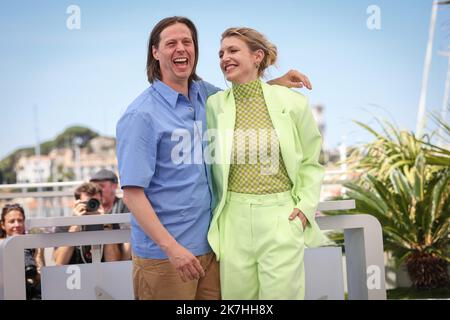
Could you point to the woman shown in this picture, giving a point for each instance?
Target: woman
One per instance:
(266, 175)
(13, 223)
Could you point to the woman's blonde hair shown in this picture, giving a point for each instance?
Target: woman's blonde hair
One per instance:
(255, 41)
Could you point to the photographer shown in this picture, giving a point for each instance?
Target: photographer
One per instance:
(112, 204)
(88, 198)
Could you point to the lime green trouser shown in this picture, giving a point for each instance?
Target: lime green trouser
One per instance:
(261, 250)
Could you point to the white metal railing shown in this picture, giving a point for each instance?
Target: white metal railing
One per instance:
(60, 190)
(42, 203)
(75, 183)
(40, 185)
(25, 186)
(58, 201)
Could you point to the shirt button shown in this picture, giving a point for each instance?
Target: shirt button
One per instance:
(191, 109)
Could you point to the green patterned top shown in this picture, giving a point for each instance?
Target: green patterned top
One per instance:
(254, 169)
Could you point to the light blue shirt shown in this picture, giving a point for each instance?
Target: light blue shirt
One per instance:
(150, 135)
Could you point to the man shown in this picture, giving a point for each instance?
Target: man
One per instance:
(82, 254)
(170, 201)
(108, 181)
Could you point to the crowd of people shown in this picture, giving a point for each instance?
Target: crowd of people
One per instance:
(98, 196)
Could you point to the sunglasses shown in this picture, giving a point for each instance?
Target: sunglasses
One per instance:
(12, 206)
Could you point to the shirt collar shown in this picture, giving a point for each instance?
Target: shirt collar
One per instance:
(170, 95)
(248, 90)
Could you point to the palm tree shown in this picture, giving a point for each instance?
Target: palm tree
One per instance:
(394, 149)
(406, 186)
(414, 210)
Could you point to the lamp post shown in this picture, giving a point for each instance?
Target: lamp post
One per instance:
(77, 141)
(426, 73)
(37, 153)
(445, 105)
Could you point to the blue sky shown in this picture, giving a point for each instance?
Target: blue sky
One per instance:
(89, 76)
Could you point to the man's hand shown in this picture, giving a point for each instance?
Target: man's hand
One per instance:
(297, 213)
(292, 79)
(79, 208)
(187, 265)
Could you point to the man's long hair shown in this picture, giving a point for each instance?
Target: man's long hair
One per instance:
(153, 68)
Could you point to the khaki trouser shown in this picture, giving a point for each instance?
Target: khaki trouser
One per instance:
(155, 279)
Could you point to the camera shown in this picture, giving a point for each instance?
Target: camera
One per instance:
(32, 278)
(93, 227)
(92, 205)
(30, 272)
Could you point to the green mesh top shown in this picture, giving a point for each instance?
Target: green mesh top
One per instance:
(254, 168)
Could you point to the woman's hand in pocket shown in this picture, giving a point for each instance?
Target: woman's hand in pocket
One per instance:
(297, 213)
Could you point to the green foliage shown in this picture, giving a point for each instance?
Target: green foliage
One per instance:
(394, 149)
(66, 139)
(7, 173)
(411, 293)
(406, 185)
(412, 207)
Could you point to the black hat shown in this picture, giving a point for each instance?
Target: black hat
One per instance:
(104, 175)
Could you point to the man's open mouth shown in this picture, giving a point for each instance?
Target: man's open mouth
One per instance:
(181, 61)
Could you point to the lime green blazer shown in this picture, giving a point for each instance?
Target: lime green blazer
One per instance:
(300, 145)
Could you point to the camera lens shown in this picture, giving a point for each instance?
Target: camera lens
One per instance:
(92, 205)
(30, 272)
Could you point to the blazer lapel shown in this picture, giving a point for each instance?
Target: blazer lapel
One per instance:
(226, 122)
(283, 127)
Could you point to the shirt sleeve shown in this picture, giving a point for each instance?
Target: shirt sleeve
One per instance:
(209, 88)
(136, 149)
